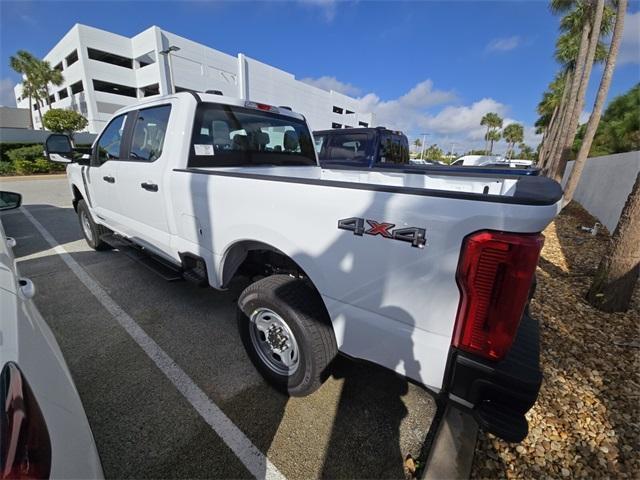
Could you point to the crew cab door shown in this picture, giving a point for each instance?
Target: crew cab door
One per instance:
(102, 175)
(141, 185)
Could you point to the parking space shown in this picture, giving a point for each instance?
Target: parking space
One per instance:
(151, 397)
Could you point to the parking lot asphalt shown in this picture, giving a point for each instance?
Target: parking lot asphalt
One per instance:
(360, 424)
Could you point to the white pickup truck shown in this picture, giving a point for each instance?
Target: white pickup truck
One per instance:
(427, 274)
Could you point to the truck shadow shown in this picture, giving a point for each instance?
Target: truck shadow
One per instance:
(61, 222)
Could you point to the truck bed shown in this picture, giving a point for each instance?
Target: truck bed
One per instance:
(486, 186)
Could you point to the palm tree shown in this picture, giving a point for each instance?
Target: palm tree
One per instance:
(25, 63)
(417, 143)
(48, 75)
(513, 133)
(493, 122)
(603, 90)
(557, 99)
(577, 48)
(615, 280)
(493, 136)
(597, 30)
(526, 152)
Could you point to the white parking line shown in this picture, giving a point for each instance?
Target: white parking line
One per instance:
(253, 459)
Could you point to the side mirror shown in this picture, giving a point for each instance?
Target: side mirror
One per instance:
(58, 148)
(10, 200)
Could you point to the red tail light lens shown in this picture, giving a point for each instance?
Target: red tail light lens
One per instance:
(494, 276)
(25, 447)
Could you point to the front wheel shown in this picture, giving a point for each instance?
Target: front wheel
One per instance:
(287, 333)
(91, 230)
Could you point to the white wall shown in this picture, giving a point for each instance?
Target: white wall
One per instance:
(605, 185)
(195, 67)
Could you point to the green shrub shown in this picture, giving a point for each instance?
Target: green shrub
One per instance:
(31, 153)
(7, 168)
(6, 147)
(29, 160)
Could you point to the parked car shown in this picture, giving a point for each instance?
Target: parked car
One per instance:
(491, 161)
(427, 275)
(380, 148)
(44, 432)
(361, 147)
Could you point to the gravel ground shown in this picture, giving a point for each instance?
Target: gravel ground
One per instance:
(586, 422)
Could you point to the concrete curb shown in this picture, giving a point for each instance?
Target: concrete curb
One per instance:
(19, 178)
(451, 454)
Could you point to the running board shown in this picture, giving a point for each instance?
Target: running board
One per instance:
(167, 270)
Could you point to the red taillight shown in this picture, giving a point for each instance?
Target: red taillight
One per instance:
(494, 275)
(25, 447)
(261, 106)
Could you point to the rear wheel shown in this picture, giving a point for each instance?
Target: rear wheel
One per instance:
(286, 331)
(91, 230)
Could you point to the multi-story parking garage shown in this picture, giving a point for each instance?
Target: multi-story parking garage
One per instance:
(104, 71)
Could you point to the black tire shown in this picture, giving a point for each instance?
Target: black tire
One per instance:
(93, 240)
(301, 308)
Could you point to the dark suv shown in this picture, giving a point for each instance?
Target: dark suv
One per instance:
(361, 147)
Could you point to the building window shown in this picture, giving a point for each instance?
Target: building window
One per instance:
(52, 98)
(146, 59)
(150, 90)
(112, 58)
(72, 58)
(183, 89)
(336, 125)
(349, 112)
(36, 107)
(114, 88)
(363, 124)
(63, 93)
(59, 67)
(77, 87)
(337, 110)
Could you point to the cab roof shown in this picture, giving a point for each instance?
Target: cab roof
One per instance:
(200, 97)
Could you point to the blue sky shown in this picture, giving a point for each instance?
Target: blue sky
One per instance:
(420, 66)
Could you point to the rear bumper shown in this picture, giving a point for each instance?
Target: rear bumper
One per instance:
(498, 394)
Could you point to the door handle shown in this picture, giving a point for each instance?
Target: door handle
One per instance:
(109, 179)
(152, 187)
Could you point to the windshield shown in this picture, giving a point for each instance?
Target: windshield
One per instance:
(230, 136)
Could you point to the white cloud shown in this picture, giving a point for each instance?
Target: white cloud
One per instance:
(503, 44)
(28, 19)
(630, 46)
(584, 117)
(332, 83)
(7, 97)
(408, 111)
(426, 109)
(328, 8)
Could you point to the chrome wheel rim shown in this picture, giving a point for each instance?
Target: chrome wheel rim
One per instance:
(86, 226)
(274, 342)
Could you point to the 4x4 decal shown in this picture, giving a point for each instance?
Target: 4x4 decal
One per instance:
(415, 236)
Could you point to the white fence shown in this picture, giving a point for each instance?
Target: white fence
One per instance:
(605, 185)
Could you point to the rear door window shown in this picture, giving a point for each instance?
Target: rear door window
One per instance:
(226, 136)
(148, 133)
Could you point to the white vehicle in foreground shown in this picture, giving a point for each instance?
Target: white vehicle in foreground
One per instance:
(426, 274)
(44, 432)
